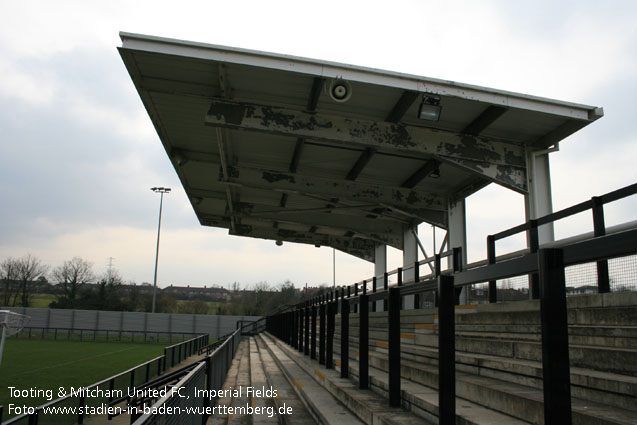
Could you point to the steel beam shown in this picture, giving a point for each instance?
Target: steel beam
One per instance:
(360, 248)
(273, 180)
(496, 160)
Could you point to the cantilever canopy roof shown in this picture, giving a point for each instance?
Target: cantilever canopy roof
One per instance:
(264, 150)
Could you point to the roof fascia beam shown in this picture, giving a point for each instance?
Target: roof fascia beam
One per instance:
(502, 162)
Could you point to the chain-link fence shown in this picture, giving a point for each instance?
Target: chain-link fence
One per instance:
(580, 279)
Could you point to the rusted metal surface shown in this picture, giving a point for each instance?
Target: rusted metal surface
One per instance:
(355, 191)
(498, 161)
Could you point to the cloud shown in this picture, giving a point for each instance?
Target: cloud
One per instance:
(79, 153)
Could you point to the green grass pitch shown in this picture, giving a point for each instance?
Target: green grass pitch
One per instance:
(45, 364)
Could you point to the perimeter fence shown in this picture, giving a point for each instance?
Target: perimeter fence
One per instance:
(196, 406)
(103, 335)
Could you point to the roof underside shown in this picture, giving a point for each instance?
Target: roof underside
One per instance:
(263, 150)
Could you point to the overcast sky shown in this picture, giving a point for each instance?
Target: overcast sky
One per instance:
(78, 153)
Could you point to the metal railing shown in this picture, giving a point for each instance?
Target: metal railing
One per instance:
(102, 335)
(183, 404)
(596, 204)
(96, 397)
(297, 326)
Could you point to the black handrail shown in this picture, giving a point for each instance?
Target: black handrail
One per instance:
(547, 263)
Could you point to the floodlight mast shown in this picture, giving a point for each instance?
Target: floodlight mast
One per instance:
(160, 190)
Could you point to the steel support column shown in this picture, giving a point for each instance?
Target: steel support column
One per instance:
(457, 237)
(410, 256)
(539, 201)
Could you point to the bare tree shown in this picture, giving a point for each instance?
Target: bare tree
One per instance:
(71, 276)
(9, 277)
(29, 268)
(107, 287)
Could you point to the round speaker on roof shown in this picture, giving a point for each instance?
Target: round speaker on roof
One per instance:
(340, 90)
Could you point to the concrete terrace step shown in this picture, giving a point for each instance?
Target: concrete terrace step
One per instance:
(372, 404)
(286, 396)
(237, 368)
(323, 405)
(521, 401)
(605, 359)
(259, 380)
(368, 406)
(609, 388)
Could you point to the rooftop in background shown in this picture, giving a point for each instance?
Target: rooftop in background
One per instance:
(301, 150)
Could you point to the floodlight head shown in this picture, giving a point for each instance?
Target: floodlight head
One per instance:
(430, 108)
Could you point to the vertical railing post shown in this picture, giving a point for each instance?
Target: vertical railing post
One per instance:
(322, 331)
(554, 324)
(80, 415)
(329, 346)
(599, 229)
(356, 295)
(344, 338)
(456, 262)
(416, 280)
(374, 291)
(446, 351)
(300, 329)
(386, 288)
(313, 332)
(534, 245)
(394, 346)
(306, 344)
(437, 271)
(399, 282)
(363, 341)
(493, 290)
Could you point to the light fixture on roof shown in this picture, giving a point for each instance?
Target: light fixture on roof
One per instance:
(435, 174)
(279, 243)
(179, 159)
(430, 108)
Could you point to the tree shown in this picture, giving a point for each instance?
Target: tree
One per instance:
(29, 269)
(9, 277)
(71, 276)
